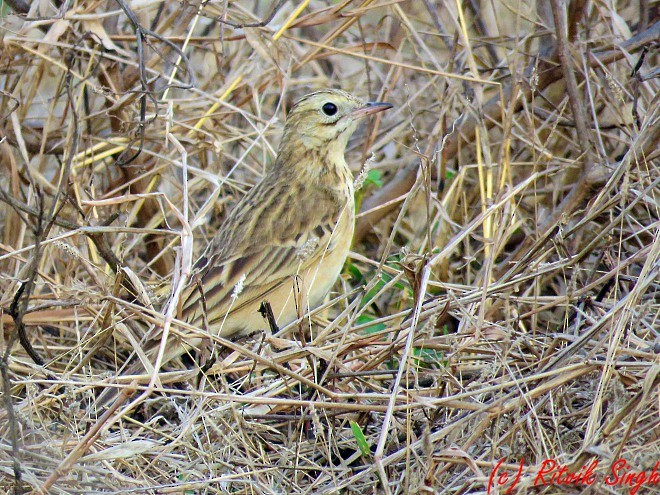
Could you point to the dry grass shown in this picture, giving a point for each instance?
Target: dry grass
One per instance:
(502, 301)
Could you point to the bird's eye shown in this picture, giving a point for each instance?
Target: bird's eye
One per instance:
(329, 109)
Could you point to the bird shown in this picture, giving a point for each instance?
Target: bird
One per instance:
(286, 240)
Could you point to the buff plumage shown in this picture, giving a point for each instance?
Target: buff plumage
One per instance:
(286, 241)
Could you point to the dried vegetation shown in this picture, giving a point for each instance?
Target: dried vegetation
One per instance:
(502, 299)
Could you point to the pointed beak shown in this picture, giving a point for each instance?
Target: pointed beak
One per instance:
(369, 108)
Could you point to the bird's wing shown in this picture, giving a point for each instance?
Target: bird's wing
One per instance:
(254, 260)
(268, 263)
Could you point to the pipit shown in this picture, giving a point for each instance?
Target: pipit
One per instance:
(286, 241)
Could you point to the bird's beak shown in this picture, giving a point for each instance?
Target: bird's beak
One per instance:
(369, 108)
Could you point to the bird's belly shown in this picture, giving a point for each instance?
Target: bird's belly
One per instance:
(298, 295)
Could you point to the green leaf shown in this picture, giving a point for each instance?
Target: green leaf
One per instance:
(365, 319)
(384, 279)
(371, 293)
(354, 272)
(361, 440)
(374, 177)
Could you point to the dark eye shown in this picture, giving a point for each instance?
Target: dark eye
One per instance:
(329, 108)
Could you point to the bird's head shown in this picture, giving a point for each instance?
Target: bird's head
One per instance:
(327, 117)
